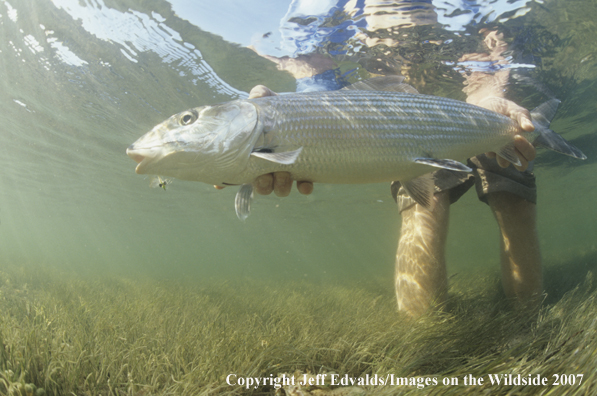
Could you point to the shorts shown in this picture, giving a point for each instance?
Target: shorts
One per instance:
(487, 176)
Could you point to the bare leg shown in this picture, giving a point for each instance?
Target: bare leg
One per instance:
(520, 255)
(421, 277)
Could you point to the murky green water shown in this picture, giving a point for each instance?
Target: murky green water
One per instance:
(81, 80)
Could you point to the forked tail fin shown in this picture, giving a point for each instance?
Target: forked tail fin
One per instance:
(547, 138)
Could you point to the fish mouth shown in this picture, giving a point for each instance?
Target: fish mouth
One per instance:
(137, 156)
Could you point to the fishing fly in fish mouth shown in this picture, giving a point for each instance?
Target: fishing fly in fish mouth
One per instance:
(377, 130)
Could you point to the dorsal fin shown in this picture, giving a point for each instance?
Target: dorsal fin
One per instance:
(384, 83)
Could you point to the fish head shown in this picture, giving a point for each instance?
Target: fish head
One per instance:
(210, 144)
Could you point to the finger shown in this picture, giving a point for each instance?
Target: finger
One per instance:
(524, 164)
(518, 114)
(526, 149)
(264, 184)
(282, 184)
(260, 91)
(304, 187)
(510, 109)
(526, 152)
(523, 117)
(504, 163)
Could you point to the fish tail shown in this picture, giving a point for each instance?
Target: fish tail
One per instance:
(547, 138)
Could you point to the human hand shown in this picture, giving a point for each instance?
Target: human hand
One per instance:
(278, 182)
(524, 149)
(486, 89)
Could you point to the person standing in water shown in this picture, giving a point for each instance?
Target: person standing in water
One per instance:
(383, 37)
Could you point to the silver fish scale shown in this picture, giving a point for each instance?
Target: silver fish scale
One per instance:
(352, 136)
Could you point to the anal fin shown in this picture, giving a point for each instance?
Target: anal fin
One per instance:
(509, 152)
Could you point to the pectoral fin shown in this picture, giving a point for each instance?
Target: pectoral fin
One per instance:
(444, 164)
(242, 202)
(421, 190)
(283, 158)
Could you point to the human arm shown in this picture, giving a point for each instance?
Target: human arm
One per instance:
(487, 90)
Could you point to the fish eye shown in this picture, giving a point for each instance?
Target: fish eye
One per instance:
(188, 117)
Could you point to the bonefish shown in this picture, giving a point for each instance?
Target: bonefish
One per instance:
(379, 130)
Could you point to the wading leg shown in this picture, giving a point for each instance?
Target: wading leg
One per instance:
(421, 277)
(519, 248)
